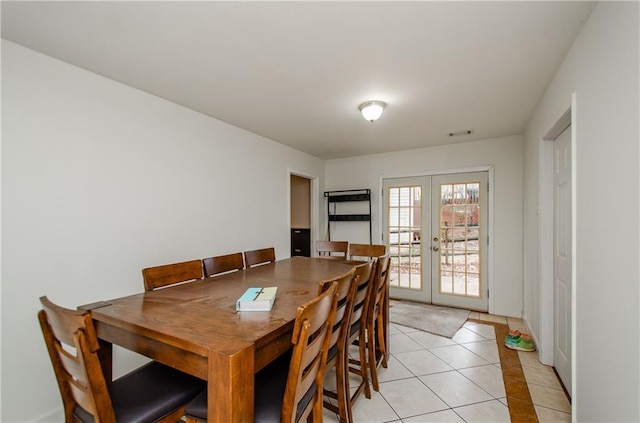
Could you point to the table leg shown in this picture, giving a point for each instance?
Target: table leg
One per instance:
(231, 386)
(105, 354)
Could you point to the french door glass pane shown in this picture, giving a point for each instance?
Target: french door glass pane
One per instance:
(459, 244)
(405, 208)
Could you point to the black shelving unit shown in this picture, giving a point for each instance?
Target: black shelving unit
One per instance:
(348, 196)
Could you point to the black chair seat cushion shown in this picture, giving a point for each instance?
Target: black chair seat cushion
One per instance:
(355, 328)
(149, 393)
(270, 384)
(333, 352)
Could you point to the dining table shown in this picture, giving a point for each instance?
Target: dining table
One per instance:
(194, 327)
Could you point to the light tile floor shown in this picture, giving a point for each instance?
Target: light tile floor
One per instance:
(435, 379)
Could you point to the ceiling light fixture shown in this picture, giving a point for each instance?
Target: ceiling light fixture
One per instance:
(372, 110)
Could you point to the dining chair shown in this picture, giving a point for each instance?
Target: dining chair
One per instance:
(357, 335)
(153, 392)
(259, 257)
(222, 264)
(336, 358)
(366, 251)
(376, 345)
(289, 389)
(171, 274)
(326, 248)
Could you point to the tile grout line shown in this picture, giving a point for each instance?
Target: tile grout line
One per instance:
(521, 407)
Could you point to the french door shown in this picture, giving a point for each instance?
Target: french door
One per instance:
(436, 231)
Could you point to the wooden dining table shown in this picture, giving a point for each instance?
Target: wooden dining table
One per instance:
(194, 327)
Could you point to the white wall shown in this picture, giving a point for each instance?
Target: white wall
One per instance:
(504, 154)
(602, 70)
(100, 180)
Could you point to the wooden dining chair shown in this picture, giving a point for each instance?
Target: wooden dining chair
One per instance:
(336, 250)
(153, 392)
(336, 358)
(376, 345)
(259, 257)
(222, 264)
(171, 274)
(289, 389)
(357, 334)
(366, 251)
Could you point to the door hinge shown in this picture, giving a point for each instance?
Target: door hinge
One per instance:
(487, 186)
(487, 240)
(487, 293)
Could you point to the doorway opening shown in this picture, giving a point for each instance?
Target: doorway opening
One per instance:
(301, 215)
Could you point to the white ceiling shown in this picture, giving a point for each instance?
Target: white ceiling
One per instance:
(295, 72)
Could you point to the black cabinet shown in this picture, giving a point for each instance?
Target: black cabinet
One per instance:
(301, 242)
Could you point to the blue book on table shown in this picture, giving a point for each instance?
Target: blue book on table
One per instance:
(257, 299)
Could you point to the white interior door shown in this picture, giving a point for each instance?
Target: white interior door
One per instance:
(436, 232)
(562, 257)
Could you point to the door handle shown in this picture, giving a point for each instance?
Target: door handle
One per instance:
(434, 248)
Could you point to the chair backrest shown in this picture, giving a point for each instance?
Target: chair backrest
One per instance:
(345, 291)
(366, 251)
(364, 276)
(326, 248)
(378, 288)
(222, 264)
(76, 366)
(311, 337)
(262, 256)
(170, 274)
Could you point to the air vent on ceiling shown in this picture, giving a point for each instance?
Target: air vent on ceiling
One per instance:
(459, 133)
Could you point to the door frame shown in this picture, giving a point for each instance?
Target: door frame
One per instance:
(545, 245)
(490, 198)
